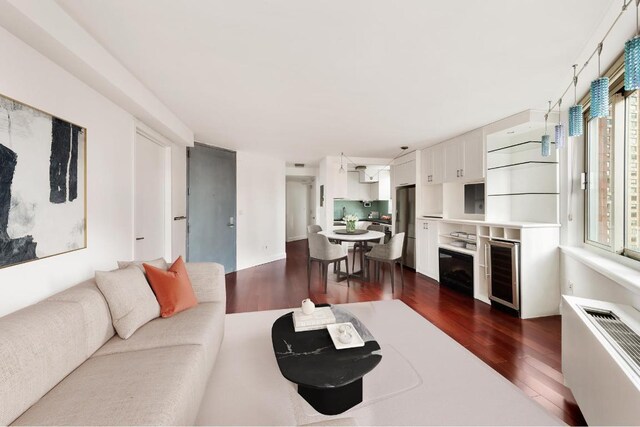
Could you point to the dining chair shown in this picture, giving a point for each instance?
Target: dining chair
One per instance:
(389, 253)
(312, 229)
(366, 246)
(325, 253)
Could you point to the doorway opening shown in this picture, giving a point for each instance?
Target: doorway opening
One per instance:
(300, 209)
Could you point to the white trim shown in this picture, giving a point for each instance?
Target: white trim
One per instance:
(265, 260)
(294, 238)
(149, 133)
(626, 276)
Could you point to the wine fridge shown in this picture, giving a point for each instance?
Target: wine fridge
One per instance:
(503, 271)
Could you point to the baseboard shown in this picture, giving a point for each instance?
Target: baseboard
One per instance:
(267, 259)
(293, 239)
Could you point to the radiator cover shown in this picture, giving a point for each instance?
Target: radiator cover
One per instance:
(605, 384)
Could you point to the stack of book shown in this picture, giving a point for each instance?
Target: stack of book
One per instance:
(319, 319)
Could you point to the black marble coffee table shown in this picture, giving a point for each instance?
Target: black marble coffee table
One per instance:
(329, 379)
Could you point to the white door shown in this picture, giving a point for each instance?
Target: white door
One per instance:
(150, 213)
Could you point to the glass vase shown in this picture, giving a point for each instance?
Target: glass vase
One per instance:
(351, 226)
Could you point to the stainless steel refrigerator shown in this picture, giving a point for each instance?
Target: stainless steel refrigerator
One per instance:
(406, 222)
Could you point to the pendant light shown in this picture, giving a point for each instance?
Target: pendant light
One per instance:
(600, 93)
(341, 165)
(561, 135)
(546, 139)
(575, 111)
(632, 59)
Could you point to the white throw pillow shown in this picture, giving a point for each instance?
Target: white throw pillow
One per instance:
(157, 263)
(131, 301)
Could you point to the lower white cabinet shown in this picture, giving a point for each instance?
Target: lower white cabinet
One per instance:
(427, 248)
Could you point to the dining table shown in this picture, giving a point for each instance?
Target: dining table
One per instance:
(340, 235)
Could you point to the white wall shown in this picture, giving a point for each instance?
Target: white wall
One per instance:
(261, 199)
(34, 80)
(48, 28)
(297, 210)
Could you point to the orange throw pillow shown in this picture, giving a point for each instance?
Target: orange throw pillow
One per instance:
(172, 288)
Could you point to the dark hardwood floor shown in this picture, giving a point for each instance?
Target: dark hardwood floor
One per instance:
(526, 352)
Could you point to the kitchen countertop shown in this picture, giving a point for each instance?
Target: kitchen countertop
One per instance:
(381, 221)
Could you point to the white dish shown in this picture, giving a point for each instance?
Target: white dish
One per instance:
(334, 333)
(458, 244)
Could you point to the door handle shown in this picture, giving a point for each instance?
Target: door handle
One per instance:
(139, 238)
(232, 222)
(487, 262)
(462, 172)
(458, 173)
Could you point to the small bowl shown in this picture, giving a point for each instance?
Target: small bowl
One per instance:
(345, 337)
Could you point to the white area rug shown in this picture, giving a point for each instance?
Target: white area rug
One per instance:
(424, 378)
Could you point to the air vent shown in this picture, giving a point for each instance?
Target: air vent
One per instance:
(624, 339)
(298, 165)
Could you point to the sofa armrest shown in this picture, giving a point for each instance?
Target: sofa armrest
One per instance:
(208, 281)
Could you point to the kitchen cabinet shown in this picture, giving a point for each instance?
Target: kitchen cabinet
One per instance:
(427, 248)
(381, 190)
(464, 157)
(357, 190)
(473, 156)
(454, 159)
(404, 173)
(432, 164)
(335, 183)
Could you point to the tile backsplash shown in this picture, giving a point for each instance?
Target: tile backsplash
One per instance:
(356, 208)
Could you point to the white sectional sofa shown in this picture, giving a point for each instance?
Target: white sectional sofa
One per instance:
(62, 364)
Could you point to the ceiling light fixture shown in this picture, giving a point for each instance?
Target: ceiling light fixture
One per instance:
(632, 58)
(341, 164)
(546, 139)
(600, 93)
(575, 111)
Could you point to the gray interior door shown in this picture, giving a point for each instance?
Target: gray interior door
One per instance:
(212, 206)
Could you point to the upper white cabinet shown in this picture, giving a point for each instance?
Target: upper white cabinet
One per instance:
(454, 159)
(464, 157)
(357, 190)
(404, 172)
(432, 164)
(473, 156)
(381, 189)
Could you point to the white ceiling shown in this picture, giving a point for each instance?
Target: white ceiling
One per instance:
(301, 79)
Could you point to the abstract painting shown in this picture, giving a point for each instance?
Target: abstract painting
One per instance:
(42, 184)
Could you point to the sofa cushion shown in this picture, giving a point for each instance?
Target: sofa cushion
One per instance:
(97, 319)
(208, 281)
(172, 288)
(39, 346)
(131, 301)
(201, 325)
(158, 263)
(152, 387)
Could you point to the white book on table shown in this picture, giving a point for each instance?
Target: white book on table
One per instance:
(319, 319)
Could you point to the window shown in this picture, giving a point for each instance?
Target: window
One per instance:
(612, 199)
(600, 202)
(632, 167)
